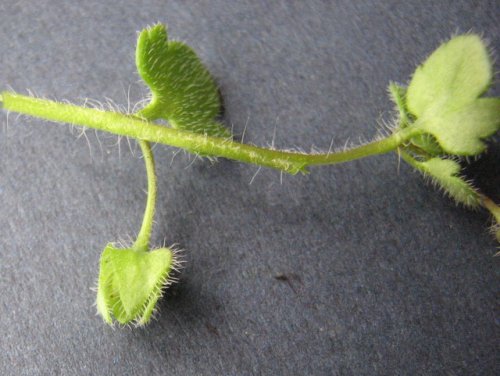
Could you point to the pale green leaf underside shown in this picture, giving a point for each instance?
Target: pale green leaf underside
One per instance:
(461, 131)
(130, 283)
(443, 96)
(455, 74)
(183, 91)
(445, 173)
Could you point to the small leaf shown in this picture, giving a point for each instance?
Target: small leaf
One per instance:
(131, 282)
(445, 173)
(428, 144)
(397, 93)
(184, 92)
(443, 96)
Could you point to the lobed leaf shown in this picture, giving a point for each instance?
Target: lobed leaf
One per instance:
(443, 96)
(455, 74)
(183, 91)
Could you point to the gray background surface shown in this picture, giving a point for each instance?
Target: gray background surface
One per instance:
(385, 276)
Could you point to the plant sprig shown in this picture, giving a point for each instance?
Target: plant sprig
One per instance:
(442, 117)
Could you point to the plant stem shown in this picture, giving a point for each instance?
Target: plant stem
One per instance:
(144, 236)
(142, 241)
(412, 162)
(126, 125)
(490, 205)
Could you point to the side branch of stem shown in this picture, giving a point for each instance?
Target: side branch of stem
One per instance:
(142, 241)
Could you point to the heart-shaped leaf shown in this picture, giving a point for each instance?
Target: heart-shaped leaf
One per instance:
(131, 282)
(183, 90)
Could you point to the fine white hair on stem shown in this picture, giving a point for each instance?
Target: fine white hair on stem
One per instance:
(174, 154)
(346, 144)
(82, 132)
(129, 143)
(330, 147)
(194, 157)
(7, 122)
(274, 131)
(128, 98)
(255, 175)
(118, 143)
(398, 151)
(245, 130)
(232, 127)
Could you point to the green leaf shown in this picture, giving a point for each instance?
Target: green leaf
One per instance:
(443, 96)
(397, 93)
(425, 142)
(455, 74)
(428, 144)
(445, 173)
(131, 282)
(183, 91)
(461, 131)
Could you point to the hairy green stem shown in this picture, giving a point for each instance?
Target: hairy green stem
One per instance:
(490, 205)
(412, 162)
(126, 125)
(144, 236)
(142, 241)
